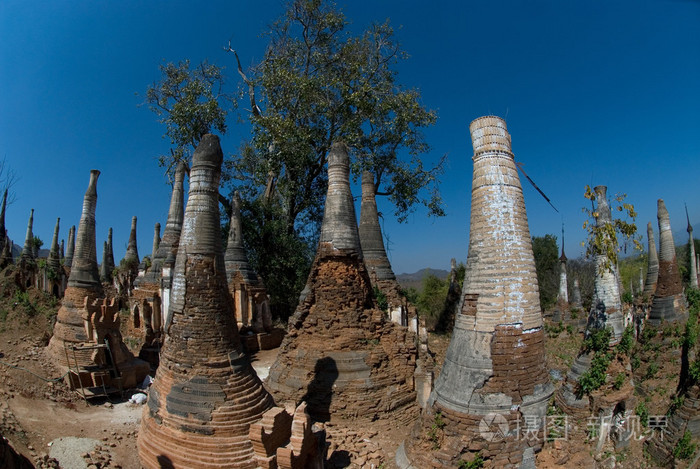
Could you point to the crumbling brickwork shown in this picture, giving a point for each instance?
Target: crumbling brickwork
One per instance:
(495, 363)
(341, 354)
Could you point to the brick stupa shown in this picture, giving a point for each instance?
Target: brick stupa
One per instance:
(87, 317)
(669, 303)
(494, 386)
(341, 353)
(205, 394)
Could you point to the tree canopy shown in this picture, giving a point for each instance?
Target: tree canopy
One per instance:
(318, 84)
(190, 103)
(545, 251)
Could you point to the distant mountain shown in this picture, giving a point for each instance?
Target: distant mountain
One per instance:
(415, 279)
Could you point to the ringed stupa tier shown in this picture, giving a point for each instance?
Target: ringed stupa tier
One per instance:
(341, 354)
(495, 363)
(205, 394)
(376, 260)
(653, 264)
(668, 303)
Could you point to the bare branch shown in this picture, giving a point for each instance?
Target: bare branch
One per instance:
(251, 88)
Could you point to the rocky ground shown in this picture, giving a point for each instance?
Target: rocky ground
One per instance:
(49, 424)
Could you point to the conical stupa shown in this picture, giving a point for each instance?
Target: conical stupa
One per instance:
(70, 249)
(27, 255)
(668, 303)
(110, 251)
(156, 240)
(494, 371)
(249, 295)
(105, 271)
(653, 264)
(563, 295)
(376, 260)
(132, 251)
(83, 283)
(340, 353)
(54, 260)
(205, 394)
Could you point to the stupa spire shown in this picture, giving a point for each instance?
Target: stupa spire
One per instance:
(84, 271)
(54, 260)
(28, 249)
(370, 232)
(70, 249)
(156, 240)
(132, 251)
(236, 259)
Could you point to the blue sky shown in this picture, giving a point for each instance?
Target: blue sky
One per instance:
(594, 92)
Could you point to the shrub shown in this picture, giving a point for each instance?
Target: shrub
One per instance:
(626, 342)
(476, 463)
(619, 380)
(685, 448)
(643, 413)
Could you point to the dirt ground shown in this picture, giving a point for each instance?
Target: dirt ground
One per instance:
(38, 411)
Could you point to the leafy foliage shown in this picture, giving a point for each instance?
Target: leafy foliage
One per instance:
(603, 237)
(319, 84)
(476, 463)
(626, 341)
(545, 251)
(191, 103)
(431, 299)
(685, 448)
(642, 411)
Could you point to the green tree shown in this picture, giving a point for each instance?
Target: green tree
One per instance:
(431, 300)
(319, 84)
(190, 102)
(545, 251)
